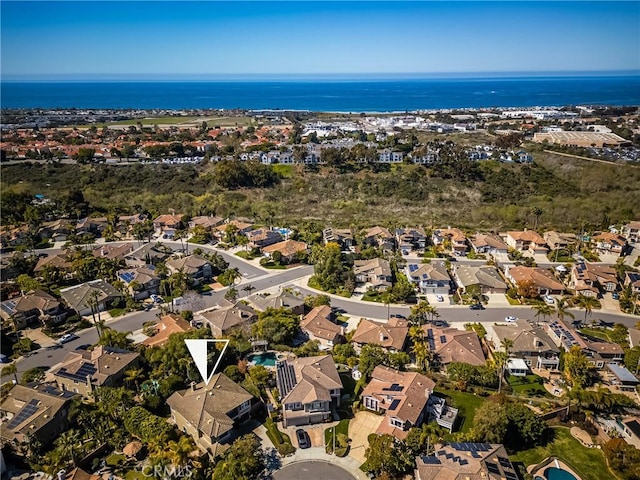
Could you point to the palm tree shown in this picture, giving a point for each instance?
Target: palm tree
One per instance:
(177, 452)
(500, 359)
(93, 303)
(133, 376)
(10, 369)
(587, 303)
(542, 309)
(562, 309)
(248, 288)
(68, 444)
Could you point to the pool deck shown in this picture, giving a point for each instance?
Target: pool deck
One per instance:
(537, 471)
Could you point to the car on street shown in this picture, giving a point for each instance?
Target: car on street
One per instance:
(440, 298)
(157, 298)
(476, 306)
(396, 315)
(83, 347)
(615, 296)
(548, 299)
(303, 438)
(510, 319)
(67, 338)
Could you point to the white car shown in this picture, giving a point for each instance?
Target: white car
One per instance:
(439, 298)
(67, 338)
(157, 298)
(510, 319)
(548, 299)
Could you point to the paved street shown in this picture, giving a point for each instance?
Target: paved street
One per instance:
(312, 470)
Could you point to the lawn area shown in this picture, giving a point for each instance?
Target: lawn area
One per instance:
(373, 297)
(341, 428)
(116, 312)
(528, 385)
(466, 403)
(229, 121)
(589, 463)
(286, 171)
(600, 333)
(145, 121)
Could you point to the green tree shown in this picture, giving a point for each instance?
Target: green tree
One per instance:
(10, 369)
(113, 338)
(587, 304)
(231, 294)
(276, 325)
(370, 357)
(386, 456)
(623, 458)
(562, 309)
(244, 460)
(543, 310)
(576, 367)
(490, 423)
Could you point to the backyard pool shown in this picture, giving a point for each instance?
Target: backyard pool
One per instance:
(553, 473)
(266, 359)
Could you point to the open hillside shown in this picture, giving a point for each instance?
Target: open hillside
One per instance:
(487, 195)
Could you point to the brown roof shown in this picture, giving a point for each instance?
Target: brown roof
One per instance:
(453, 345)
(106, 362)
(113, 252)
(378, 231)
(286, 248)
(35, 299)
(611, 238)
(391, 334)
(411, 389)
(315, 377)
(459, 462)
(58, 261)
(455, 233)
(225, 318)
(488, 239)
(527, 236)
(240, 225)
(190, 264)
(206, 408)
(168, 219)
(540, 277)
(318, 324)
(167, 325)
(207, 222)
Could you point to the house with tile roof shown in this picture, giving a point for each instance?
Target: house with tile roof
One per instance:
(429, 277)
(542, 279)
(454, 238)
(559, 240)
(38, 412)
(207, 222)
(375, 272)
(282, 299)
(226, 317)
(113, 252)
(34, 308)
(140, 281)
(410, 239)
(466, 461)
(96, 293)
(379, 237)
(211, 414)
(530, 342)
(485, 277)
(452, 345)
(59, 261)
(607, 242)
(168, 325)
(83, 370)
(288, 249)
(488, 243)
(632, 279)
(632, 231)
(263, 237)
(167, 224)
(197, 268)
(591, 280)
(318, 325)
(402, 397)
(391, 335)
(526, 240)
(310, 389)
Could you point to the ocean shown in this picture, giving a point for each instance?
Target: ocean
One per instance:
(360, 95)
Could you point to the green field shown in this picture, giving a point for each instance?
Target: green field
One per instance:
(145, 121)
(589, 463)
(229, 121)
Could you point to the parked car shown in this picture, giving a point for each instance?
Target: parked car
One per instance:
(157, 298)
(303, 438)
(4, 359)
(548, 299)
(440, 298)
(510, 319)
(397, 315)
(615, 296)
(476, 306)
(67, 338)
(83, 347)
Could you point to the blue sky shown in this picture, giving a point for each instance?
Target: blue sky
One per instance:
(51, 39)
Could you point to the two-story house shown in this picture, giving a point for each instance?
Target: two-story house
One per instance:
(527, 240)
(343, 237)
(530, 343)
(206, 222)
(558, 240)
(288, 249)
(318, 325)
(375, 272)
(540, 279)
(81, 370)
(429, 277)
(410, 239)
(632, 231)
(391, 335)
(167, 326)
(309, 388)
(592, 280)
(32, 308)
(166, 225)
(34, 412)
(229, 316)
(379, 237)
(211, 414)
(140, 281)
(89, 297)
(263, 237)
(113, 252)
(197, 268)
(402, 398)
(282, 299)
(485, 278)
(452, 345)
(607, 242)
(632, 280)
(453, 240)
(488, 243)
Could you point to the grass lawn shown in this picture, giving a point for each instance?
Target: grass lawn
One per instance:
(512, 301)
(373, 297)
(116, 312)
(229, 121)
(286, 171)
(341, 427)
(589, 463)
(115, 459)
(466, 403)
(600, 333)
(528, 385)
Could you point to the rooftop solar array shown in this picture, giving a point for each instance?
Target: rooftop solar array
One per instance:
(394, 404)
(393, 388)
(510, 476)
(27, 411)
(9, 306)
(567, 338)
(81, 375)
(443, 339)
(285, 377)
(505, 462)
(127, 277)
(428, 460)
(413, 267)
(493, 468)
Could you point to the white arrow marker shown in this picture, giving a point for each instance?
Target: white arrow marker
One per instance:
(198, 350)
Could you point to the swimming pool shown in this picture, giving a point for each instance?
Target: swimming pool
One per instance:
(553, 473)
(267, 359)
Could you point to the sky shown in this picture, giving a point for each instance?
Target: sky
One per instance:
(192, 39)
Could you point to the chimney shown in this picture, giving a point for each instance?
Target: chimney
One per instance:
(382, 337)
(427, 393)
(193, 386)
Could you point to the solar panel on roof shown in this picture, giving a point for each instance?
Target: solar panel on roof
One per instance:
(483, 447)
(413, 268)
(394, 404)
(493, 468)
(425, 276)
(430, 460)
(443, 339)
(28, 410)
(504, 462)
(510, 476)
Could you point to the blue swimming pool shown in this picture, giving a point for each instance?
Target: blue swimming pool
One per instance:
(267, 359)
(553, 473)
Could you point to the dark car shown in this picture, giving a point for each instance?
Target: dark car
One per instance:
(476, 306)
(615, 296)
(401, 317)
(83, 347)
(303, 438)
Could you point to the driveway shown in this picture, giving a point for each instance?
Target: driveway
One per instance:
(360, 427)
(609, 304)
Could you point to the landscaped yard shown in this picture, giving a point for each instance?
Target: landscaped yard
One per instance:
(341, 428)
(589, 463)
(466, 403)
(528, 385)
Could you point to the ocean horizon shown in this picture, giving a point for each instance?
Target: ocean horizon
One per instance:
(331, 92)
